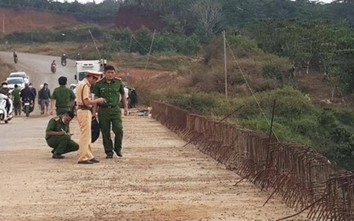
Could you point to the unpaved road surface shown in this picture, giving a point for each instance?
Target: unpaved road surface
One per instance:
(157, 180)
(38, 68)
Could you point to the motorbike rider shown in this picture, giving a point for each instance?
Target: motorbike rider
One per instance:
(78, 57)
(15, 55)
(53, 66)
(5, 91)
(63, 59)
(33, 90)
(27, 93)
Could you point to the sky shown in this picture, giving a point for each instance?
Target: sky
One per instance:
(81, 1)
(99, 1)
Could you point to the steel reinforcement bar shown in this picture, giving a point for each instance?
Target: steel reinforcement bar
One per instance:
(302, 177)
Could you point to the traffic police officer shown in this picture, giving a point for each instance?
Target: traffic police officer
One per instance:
(109, 113)
(58, 135)
(84, 116)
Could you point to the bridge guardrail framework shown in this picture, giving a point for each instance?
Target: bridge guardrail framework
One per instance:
(302, 177)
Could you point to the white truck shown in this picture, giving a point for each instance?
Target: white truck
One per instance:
(83, 66)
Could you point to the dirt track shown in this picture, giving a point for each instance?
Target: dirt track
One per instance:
(157, 180)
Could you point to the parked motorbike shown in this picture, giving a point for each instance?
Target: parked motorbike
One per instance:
(5, 115)
(28, 106)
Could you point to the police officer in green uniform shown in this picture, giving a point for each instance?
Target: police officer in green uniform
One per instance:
(62, 97)
(58, 135)
(16, 96)
(109, 113)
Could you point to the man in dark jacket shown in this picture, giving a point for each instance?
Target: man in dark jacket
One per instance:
(27, 93)
(44, 98)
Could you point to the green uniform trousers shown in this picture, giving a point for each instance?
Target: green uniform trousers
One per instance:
(62, 144)
(108, 117)
(62, 110)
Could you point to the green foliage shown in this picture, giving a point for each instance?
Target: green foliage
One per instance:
(198, 103)
(272, 71)
(296, 119)
(238, 46)
(290, 104)
(241, 45)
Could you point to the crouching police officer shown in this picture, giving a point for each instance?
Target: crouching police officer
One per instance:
(109, 113)
(58, 135)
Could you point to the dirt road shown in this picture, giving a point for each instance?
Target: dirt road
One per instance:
(157, 180)
(38, 68)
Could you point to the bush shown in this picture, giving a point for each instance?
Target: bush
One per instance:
(272, 71)
(198, 103)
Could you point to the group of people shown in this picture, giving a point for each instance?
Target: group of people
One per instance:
(18, 95)
(105, 105)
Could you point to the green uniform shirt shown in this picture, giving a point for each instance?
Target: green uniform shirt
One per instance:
(63, 96)
(109, 91)
(16, 95)
(55, 124)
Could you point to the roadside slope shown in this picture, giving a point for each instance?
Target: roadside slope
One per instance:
(157, 179)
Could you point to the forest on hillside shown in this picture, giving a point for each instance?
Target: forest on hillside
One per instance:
(190, 15)
(312, 35)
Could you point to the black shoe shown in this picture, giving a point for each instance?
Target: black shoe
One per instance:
(85, 162)
(109, 156)
(119, 153)
(57, 156)
(93, 160)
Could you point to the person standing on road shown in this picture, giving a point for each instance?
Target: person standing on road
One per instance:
(16, 96)
(84, 116)
(133, 98)
(44, 98)
(58, 135)
(62, 98)
(109, 113)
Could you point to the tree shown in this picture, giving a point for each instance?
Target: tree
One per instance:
(208, 13)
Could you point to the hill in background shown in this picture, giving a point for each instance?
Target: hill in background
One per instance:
(17, 20)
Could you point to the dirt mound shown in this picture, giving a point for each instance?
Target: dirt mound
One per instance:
(17, 20)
